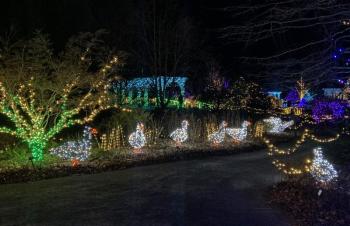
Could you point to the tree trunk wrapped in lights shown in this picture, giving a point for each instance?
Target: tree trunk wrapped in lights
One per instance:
(41, 94)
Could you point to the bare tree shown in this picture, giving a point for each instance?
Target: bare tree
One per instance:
(164, 43)
(310, 38)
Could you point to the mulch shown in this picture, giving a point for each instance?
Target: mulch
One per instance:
(310, 205)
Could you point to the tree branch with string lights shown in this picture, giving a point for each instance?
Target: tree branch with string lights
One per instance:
(42, 93)
(320, 54)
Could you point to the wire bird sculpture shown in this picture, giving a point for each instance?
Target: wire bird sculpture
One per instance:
(238, 134)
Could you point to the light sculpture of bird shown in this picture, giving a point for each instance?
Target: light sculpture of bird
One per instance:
(137, 139)
(76, 151)
(180, 135)
(238, 134)
(218, 136)
(277, 125)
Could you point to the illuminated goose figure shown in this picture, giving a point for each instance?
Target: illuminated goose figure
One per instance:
(75, 150)
(278, 126)
(218, 136)
(238, 134)
(321, 169)
(180, 135)
(137, 139)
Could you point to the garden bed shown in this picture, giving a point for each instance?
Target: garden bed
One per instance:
(309, 206)
(124, 159)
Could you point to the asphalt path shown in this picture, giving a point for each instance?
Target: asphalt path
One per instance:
(227, 190)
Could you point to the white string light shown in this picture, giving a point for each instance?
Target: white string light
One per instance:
(321, 169)
(137, 139)
(75, 150)
(180, 135)
(238, 134)
(218, 136)
(278, 126)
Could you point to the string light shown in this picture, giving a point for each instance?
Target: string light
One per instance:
(259, 130)
(287, 169)
(30, 115)
(321, 169)
(272, 149)
(314, 138)
(137, 139)
(238, 134)
(218, 136)
(75, 150)
(114, 139)
(278, 126)
(180, 135)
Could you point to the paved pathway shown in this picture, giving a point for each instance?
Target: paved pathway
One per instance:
(224, 190)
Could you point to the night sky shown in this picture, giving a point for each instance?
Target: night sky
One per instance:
(64, 18)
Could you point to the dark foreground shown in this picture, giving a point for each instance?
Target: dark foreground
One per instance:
(215, 191)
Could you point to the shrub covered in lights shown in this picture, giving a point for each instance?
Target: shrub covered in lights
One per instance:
(327, 109)
(42, 93)
(245, 94)
(321, 169)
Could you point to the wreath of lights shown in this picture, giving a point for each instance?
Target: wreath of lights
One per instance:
(137, 139)
(238, 134)
(75, 150)
(278, 126)
(218, 136)
(321, 169)
(180, 135)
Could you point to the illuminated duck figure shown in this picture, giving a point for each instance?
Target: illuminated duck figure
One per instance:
(238, 134)
(180, 135)
(278, 126)
(76, 151)
(137, 139)
(218, 136)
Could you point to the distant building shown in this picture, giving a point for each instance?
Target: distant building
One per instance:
(334, 93)
(276, 94)
(137, 90)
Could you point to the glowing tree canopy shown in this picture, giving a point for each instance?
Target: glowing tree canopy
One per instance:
(75, 150)
(137, 139)
(41, 93)
(327, 109)
(238, 134)
(218, 136)
(277, 125)
(321, 169)
(180, 135)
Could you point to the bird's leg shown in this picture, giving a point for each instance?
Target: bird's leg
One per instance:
(177, 144)
(137, 151)
(75, 162)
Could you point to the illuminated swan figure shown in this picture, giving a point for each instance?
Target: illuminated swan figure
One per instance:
(180, 135)
(75, 150)
(137, 139)
(321, 169)
(218, 136)
(278, 126)
(238, 134)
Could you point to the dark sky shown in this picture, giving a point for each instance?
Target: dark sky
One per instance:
(64, 18)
